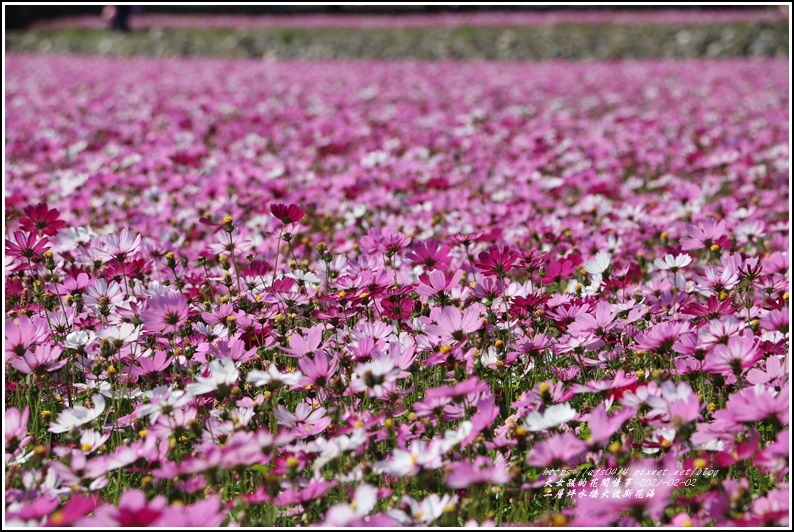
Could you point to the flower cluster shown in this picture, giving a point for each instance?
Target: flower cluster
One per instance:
(364, 294)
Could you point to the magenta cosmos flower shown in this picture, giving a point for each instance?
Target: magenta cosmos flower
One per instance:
(288, 214)
(133, 510)
(431, 254)
(40, 218)
(498, 260)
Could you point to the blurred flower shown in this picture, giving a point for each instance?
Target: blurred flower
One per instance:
(78, 415)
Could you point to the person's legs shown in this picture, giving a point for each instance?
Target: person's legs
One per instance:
(121, 19)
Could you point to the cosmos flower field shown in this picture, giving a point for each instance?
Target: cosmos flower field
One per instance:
(384, 294)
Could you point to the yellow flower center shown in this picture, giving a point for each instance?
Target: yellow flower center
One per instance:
(559, 520)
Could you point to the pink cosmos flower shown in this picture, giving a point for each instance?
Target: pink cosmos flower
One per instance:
(556, 451)
(33, 510)
(740, 353)
(431, 406)
(710, 233)
(121, 246)
(165, 313)
(292, 495)
(204, 513)
(774, 373)
(661, 336)
(603, 427)
(145, 365)
(720, 331)
(759, 403)
(776, 320)
(559, 270)
(452, 324)
(437, 281)
(234, 348)
(307, 420)
(103, 296)
(460, 390)
(774, 458)
(714, 308)
(319, 370)
(16, 428)
(384, 241)
(599, 324)
(26, 245)
(235, 242)
(23, 333)
(305, 345)
(685, 408)
(398, 308)
(431, 254)
(481, 471)
(490, 288)
(716, 281)
(770, 510)
(45, 359)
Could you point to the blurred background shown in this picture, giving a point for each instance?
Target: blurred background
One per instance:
(20, 17)
(512, 32)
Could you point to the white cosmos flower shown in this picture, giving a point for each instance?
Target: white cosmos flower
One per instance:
(305, 277)
(598, 265)
(426, 511)
(454, 437)
(211, 331)
(125, 333)
(553, 416)
(421, 454)
(330, 449)
(364, 500)
(274, 377)
(78, 415)
(91, 440)
(222, 373)
(672, 263)
(161, 399)
(78, 338)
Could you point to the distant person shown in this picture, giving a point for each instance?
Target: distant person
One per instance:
(118, 17)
